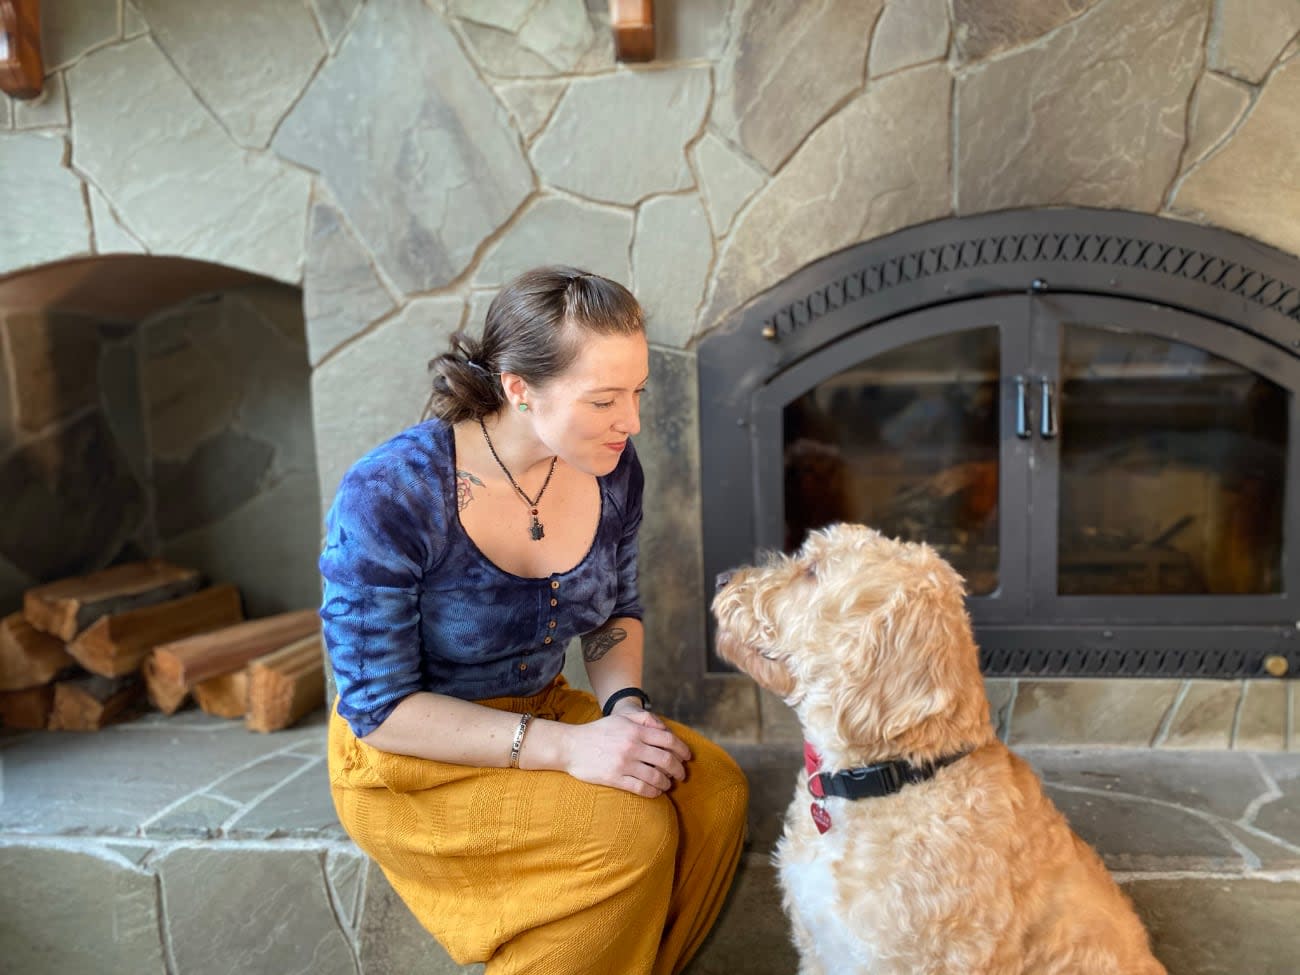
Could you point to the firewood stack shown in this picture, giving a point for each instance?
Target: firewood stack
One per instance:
(86, 651)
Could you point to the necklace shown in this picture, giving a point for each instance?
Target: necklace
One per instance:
(535, 530)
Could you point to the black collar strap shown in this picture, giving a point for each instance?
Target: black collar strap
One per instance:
(875, 781)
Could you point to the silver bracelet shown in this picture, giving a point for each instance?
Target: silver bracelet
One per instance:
(519, 739)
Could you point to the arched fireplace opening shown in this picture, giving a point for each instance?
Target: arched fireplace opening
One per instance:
(1092, 414)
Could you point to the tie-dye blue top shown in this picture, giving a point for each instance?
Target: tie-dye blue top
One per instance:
(411, 604)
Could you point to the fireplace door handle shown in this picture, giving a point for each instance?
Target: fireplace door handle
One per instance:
(1048, 415)
(1022, 408)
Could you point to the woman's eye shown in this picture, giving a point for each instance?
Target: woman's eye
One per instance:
(603, 406)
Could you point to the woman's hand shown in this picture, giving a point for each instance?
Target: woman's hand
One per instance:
(631, 750)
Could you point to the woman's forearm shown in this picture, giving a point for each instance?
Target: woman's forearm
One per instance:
(613, 655)
(447, 729)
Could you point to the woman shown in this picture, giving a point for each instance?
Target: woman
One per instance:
(527, 824)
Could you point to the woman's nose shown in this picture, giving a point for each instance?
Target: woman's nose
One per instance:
(630, 422)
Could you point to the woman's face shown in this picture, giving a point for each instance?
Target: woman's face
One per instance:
(587, 413)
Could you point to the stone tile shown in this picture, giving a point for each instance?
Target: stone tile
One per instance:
(786, 65)
(547, 38)
(269, 544)
(55, 359)
(351, 417)
(1131, 834)
(71, 28)
(432, 144)
(726, 179)
(41, 200)
(1000, 692)
(1217, 106)
(752, 934)
(197, 816)
(61, 520)
(262, 776)
(267, 54)
(173, 174)
(908, 34)
(772, 772)
(559, 31)
(1261, 725)
(85, 914)
(274, 899)
(1205, 716)
(1220, 925)
(392, 940)
(110, 236)
(301, 807)
(556, 229)
(1250, 179)
(508, 15)
(1219, 784)
(221, 476)
(134, 853)
(6, 112)
(1263, 851)
(686, 30)
(531, 103)
(1280, 817)
(133, 25)
(983, 29)
(1293, 732)
(334, 16)
(346, 873)
(1246, 36)
(645, 118)
(879, 164)
(50, 110)
(1098, 712)
(1092, 116)
(672, 255)
(110, 782)
(500, 54)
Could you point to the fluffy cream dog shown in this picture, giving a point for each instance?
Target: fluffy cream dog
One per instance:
(963, 866)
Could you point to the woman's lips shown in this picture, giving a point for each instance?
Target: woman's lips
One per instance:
(617, 447)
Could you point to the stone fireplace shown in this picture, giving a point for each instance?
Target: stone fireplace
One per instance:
(399, 161)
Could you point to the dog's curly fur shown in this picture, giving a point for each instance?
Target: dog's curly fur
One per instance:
(972, 872)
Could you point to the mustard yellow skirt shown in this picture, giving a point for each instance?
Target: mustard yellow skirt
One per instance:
(538, 872)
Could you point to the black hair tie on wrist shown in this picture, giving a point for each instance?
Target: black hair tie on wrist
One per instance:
(618, 695)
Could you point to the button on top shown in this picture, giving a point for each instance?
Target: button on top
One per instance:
(555, 602)
(547, 640)
(551, 624)
(555, 584)
(523, 666)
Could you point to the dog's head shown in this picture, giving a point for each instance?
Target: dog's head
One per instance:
(867, 638)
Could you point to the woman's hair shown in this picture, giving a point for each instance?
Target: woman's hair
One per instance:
(534, 328)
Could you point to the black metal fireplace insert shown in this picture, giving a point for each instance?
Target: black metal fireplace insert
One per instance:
(1092, 414)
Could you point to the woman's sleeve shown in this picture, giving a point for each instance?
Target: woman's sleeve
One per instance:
(628, 602)
(372, 564)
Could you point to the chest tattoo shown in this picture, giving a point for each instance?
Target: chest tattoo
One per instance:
(464, 490)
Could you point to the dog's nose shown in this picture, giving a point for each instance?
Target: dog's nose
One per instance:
(723, 578)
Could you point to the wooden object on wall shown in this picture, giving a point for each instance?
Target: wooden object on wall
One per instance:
(29, 657)
(28, 709)
(22, 74)
(90, 703)
(116, 645)
(66, 607)
(224, 696)
(186, 662)
(286, 685)
(633, 22)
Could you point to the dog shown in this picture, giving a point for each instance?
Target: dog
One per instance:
(917, 843)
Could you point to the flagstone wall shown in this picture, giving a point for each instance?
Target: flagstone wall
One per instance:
(400, 159)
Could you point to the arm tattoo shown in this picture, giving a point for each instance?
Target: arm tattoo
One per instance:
(463, 494)
(600, 642)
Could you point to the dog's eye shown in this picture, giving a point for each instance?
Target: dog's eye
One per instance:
(810, 570)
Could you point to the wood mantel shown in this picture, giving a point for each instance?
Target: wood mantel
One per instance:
(633, 22)
(21, 72)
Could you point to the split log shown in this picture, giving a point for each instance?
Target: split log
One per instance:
(116, 645)
(29, 657)
(633, 23)
(189, 661)
(28, 709)
(66, 607)
(286, 685)
(225, 696)
(90, 703)
(22, 72)
(167, 696)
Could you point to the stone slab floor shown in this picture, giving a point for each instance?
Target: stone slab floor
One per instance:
(187, 845)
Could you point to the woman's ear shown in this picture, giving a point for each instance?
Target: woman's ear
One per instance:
(515, 388)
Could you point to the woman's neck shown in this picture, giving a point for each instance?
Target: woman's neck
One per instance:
(515, 444)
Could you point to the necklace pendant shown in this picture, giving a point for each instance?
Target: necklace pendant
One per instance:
(535, 530)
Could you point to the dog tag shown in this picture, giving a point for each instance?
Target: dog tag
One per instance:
(821, 817)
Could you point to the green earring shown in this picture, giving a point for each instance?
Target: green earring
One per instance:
(523, 407)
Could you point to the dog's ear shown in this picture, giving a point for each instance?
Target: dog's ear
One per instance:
(902, 673)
